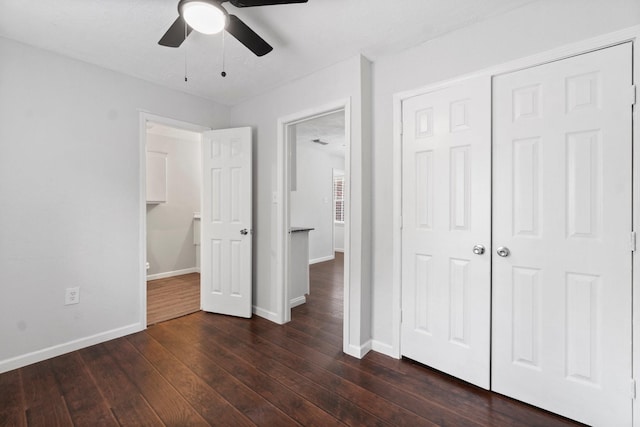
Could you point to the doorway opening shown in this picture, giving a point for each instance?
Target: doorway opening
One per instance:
(317, 147)
(171, 180)
(290, 177)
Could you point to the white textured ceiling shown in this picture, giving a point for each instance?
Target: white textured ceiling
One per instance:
(122, 35)
(329, 128)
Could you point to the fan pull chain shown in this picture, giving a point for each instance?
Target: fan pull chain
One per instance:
(223, 73)
(186, 33)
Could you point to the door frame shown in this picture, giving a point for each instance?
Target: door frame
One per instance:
(281, 197)
(145, 117)
(631, 34)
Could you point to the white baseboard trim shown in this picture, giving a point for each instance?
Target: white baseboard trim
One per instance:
(338, 250)
(298, 301)
(173, 273)
(384, 348)
(359, 351)
(321, 259)
(269, 315)
(60, 349)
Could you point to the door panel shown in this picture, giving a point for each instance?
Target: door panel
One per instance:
(562, 173)
(446, 211)
(226, 279)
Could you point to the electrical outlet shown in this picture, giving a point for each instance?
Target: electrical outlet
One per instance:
(148, 265)
(72, 296)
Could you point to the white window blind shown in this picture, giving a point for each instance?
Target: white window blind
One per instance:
(338, 198)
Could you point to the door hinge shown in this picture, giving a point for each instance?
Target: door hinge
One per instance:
(634, 94)
(400, 316)
(401, 127)
(633, 388)
(632, 241)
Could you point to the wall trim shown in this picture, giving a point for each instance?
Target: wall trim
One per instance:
(383, 348)
(322, 259)
(266, 314)
(173, 273)
(60, 349)
(631, 34)
(359, 351)
(298, 301)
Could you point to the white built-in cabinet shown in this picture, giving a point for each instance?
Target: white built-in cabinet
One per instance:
(299, 265)
(156, 177)
(517, 217)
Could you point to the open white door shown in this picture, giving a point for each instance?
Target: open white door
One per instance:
(226, 222)
(446, 237)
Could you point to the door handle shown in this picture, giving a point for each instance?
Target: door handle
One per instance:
(478, 249)
(244, 231)
(503, 251)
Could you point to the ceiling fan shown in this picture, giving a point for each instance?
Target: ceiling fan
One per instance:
(209, 17)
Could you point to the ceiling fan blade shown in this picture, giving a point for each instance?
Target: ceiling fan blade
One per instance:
(247, 36)
(251, 3)
(175, 34)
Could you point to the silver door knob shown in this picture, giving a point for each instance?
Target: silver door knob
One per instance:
(503, 251)
(478, 249)
(244, 231)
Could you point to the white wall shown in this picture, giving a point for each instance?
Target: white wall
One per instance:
(170, 245)
(537, 27)
(311, 205)
(70, 198)
(348, 79)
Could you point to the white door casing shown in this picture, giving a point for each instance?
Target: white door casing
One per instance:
(562, 206)
(446, 152)
(226, 263)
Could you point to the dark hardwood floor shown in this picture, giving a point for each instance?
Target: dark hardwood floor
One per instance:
(205, 369)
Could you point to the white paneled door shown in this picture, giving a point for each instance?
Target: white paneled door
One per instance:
(561, 232)
(227, 222)
(446, 217)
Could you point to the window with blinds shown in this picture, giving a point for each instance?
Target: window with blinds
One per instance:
(338, 199)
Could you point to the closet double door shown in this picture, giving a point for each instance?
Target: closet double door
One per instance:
(516, 255)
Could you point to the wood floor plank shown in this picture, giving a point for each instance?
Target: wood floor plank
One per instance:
(127, 404)
(464, 395)
(245, 342)
(12, 419)
(292, 376)
(49, 414)
(44, 404)
(425, 408)
(167, 403)
(11, 395)
(172, 297)
(441, 402)
(271, 388)
(39, 384)
(251, 404)
(211, 406)
(83, 399)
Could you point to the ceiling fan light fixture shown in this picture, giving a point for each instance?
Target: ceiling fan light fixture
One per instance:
(204, 16)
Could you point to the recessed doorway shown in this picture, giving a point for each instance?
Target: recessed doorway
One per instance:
(173, 198)
(317, 203)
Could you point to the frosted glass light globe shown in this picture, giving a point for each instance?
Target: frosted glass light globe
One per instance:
(204, 16)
